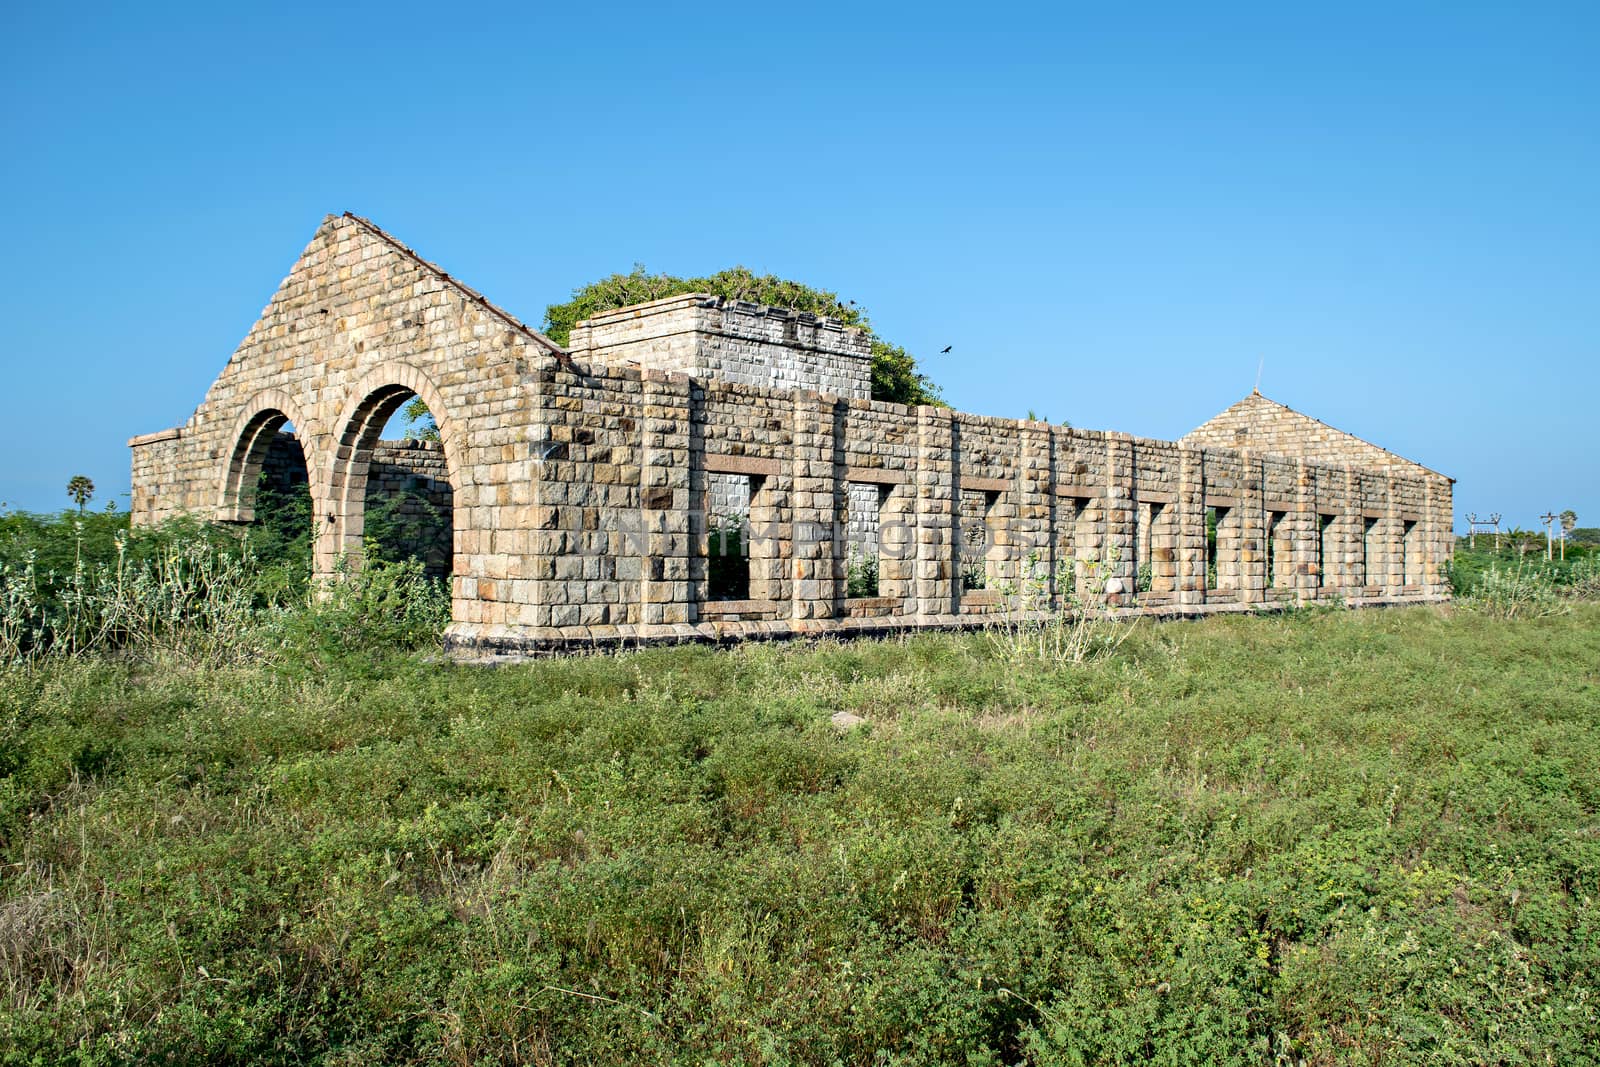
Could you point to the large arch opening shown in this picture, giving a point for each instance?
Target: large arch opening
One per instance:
(393, 495)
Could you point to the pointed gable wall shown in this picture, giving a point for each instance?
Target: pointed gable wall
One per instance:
(359, 324)
(357, 306)
(1259, 425)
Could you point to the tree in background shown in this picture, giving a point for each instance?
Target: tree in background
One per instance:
(420, 423)
(80, 489)
(1034, 416)
(1569, 521)
(895, 376)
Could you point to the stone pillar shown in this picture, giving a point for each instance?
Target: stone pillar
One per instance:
(664, 500)
(1307, 535)
(937, 513)
(1252, 533)
(1394, 576)
(1119, 512)
(817, 509)
(1036, 503)
(1354, 522)
(771, 532)
(897, 545)
(1190, 521)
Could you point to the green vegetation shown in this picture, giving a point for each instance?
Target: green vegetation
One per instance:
(861, 576)
(72, 584)
(1514, 581)
(895, 375)
(420, 423)
(1321, 837)
(81, 490)
(727, 559)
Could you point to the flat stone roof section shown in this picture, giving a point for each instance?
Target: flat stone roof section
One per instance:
(735, 341)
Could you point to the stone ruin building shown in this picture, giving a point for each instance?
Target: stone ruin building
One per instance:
(584, 490)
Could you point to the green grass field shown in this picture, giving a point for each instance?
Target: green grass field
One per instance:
(1324, 838)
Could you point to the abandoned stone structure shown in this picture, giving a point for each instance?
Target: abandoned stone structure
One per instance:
(578, 481)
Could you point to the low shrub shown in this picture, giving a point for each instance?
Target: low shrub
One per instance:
(1584, 582)
(190, 598)
(1513, 593)
(1049, 619)
(362, 616)
(200, 595)
(1510, 586)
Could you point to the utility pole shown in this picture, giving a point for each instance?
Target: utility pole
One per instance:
(1549, 538)
(1473, 522)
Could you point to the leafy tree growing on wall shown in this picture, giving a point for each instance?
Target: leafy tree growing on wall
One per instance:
(895, 375)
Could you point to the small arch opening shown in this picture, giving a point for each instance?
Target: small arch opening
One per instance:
(268, 494)
(280, 532)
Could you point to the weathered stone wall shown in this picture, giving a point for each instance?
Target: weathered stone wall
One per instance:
(728, 497)
(284, 467)
(1038, 496)
(1259, 425)
(410, 481)
(579, 488)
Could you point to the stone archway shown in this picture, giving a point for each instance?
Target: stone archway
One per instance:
(371, 404)
(264, 416)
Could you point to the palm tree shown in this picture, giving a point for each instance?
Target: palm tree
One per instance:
(1569, 520)
(80, 489)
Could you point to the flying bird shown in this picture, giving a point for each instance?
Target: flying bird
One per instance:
(945, 349)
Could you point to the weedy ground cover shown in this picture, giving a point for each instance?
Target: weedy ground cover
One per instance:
(1365, 837)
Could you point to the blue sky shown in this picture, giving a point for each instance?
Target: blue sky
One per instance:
(1113, 215)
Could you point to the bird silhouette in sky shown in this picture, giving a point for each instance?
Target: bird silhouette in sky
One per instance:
(945, 349)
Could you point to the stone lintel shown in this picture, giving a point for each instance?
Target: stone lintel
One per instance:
(875, 476)
(717, 463)
(1079, 491)
(988, 485)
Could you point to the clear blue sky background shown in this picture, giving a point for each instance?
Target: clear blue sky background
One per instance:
(1112, 214)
